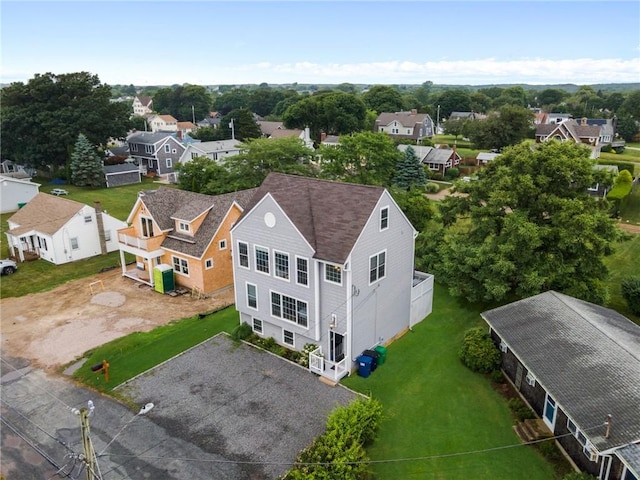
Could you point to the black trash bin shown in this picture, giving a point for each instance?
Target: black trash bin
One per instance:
(374, 358)
(364, 365)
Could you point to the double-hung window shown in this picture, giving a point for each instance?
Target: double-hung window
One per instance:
(252, 296)
(302, 271)
(243, 254)
(262, 259)
(282, 265)
(377, 266)
(384, 218)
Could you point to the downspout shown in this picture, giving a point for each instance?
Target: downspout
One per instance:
(350, 292)
(316, 295)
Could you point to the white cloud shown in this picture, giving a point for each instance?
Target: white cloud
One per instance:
(488, 70)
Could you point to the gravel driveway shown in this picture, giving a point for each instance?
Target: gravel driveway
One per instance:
(238, 402)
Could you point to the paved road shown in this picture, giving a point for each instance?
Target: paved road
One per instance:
(221, 411)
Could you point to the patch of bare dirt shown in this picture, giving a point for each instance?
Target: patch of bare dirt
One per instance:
(58, 326)
(629, 228)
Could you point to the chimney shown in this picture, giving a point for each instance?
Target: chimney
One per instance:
(607, 423)
(323, 136)
(583, 121)
(414, 111)
(100, 224)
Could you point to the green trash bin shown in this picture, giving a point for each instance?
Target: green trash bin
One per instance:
(382, 354)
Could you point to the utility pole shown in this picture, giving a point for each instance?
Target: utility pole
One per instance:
(438, 122)
(87, 446)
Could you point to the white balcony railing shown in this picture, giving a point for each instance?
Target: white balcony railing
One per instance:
(132, 241)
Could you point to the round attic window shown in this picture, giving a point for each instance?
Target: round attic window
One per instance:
(269, 219)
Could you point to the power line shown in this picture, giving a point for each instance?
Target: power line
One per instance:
(391, 460)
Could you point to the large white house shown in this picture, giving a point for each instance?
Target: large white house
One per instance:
(60, 230)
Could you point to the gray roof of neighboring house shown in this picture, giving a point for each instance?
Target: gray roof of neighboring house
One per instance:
(123, 150)
(167, 204)
(577, 130)
(217, 145)
(631, 456)
(121, 168)
(430, 154)
(329, 215)
(267, 127)
(407, 119)
(149, 138)
(586, 356)
(487, 156)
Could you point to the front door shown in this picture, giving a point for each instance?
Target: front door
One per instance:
(549, 413)
(336, 347)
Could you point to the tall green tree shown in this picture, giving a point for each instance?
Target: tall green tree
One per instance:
(383, 98)
(261, 156)
(86, 166)
(507, 126)
(409, 172)
(232, 100)
(367, 158)
(202, 175)
(334, 113)
(244, 125)
(414, 205)
(527, 225)
(454, 100)
(627, 127)
(184, 102)
(41, 119)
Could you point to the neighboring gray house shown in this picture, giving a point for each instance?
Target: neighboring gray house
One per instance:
(437, 160)
(330, 264)
(408, 125)
(155, 152)
(121, 174)
(576, 363)
(486, 157)
(215, 150)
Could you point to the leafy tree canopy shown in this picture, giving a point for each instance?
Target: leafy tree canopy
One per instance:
(244, 125)
(527, 225)
(261, 156)
(334, 113)
(383, 98)
(41, 120)
(202, 175)
(453, 101)
(507, 126)
(183, 102)
(627, 127)
(414, 205)
(366, 157)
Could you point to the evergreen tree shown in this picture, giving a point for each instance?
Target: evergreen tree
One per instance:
(86, 167)
(409, 171)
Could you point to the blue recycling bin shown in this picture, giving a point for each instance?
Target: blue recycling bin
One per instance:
(364, 365)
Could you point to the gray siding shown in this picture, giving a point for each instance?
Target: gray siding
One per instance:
(382, 309)
(283, 237)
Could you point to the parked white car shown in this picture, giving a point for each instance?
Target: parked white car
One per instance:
(8, 266)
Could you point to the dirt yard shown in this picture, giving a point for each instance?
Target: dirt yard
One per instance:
(58, 326)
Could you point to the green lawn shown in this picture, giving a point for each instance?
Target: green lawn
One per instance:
(136, 353)
(624, 262)
(434, 407)
(631, 212)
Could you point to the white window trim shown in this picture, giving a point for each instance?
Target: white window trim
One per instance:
(275, 269)
(107, 235)
(282, 317)
(246, 289)
(206, 262)
(255, 259)
(167, 149)
(293, 338)
(503, 347)
(222, 244)
(380, 227)
(385, 267)
(253, 326)
(180, 259)
(169, 163)
(326, 279)
(72, 241)
(150, 163)
(306, 260)
(148, 149)
(183, 226)
(248, 267)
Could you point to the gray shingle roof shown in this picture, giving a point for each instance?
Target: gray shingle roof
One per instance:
(631, 456)
(167, 204)
(149, 138)
(406, 119)
(330, 215)
(429, 154)
(121, 167)
(586, 356)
